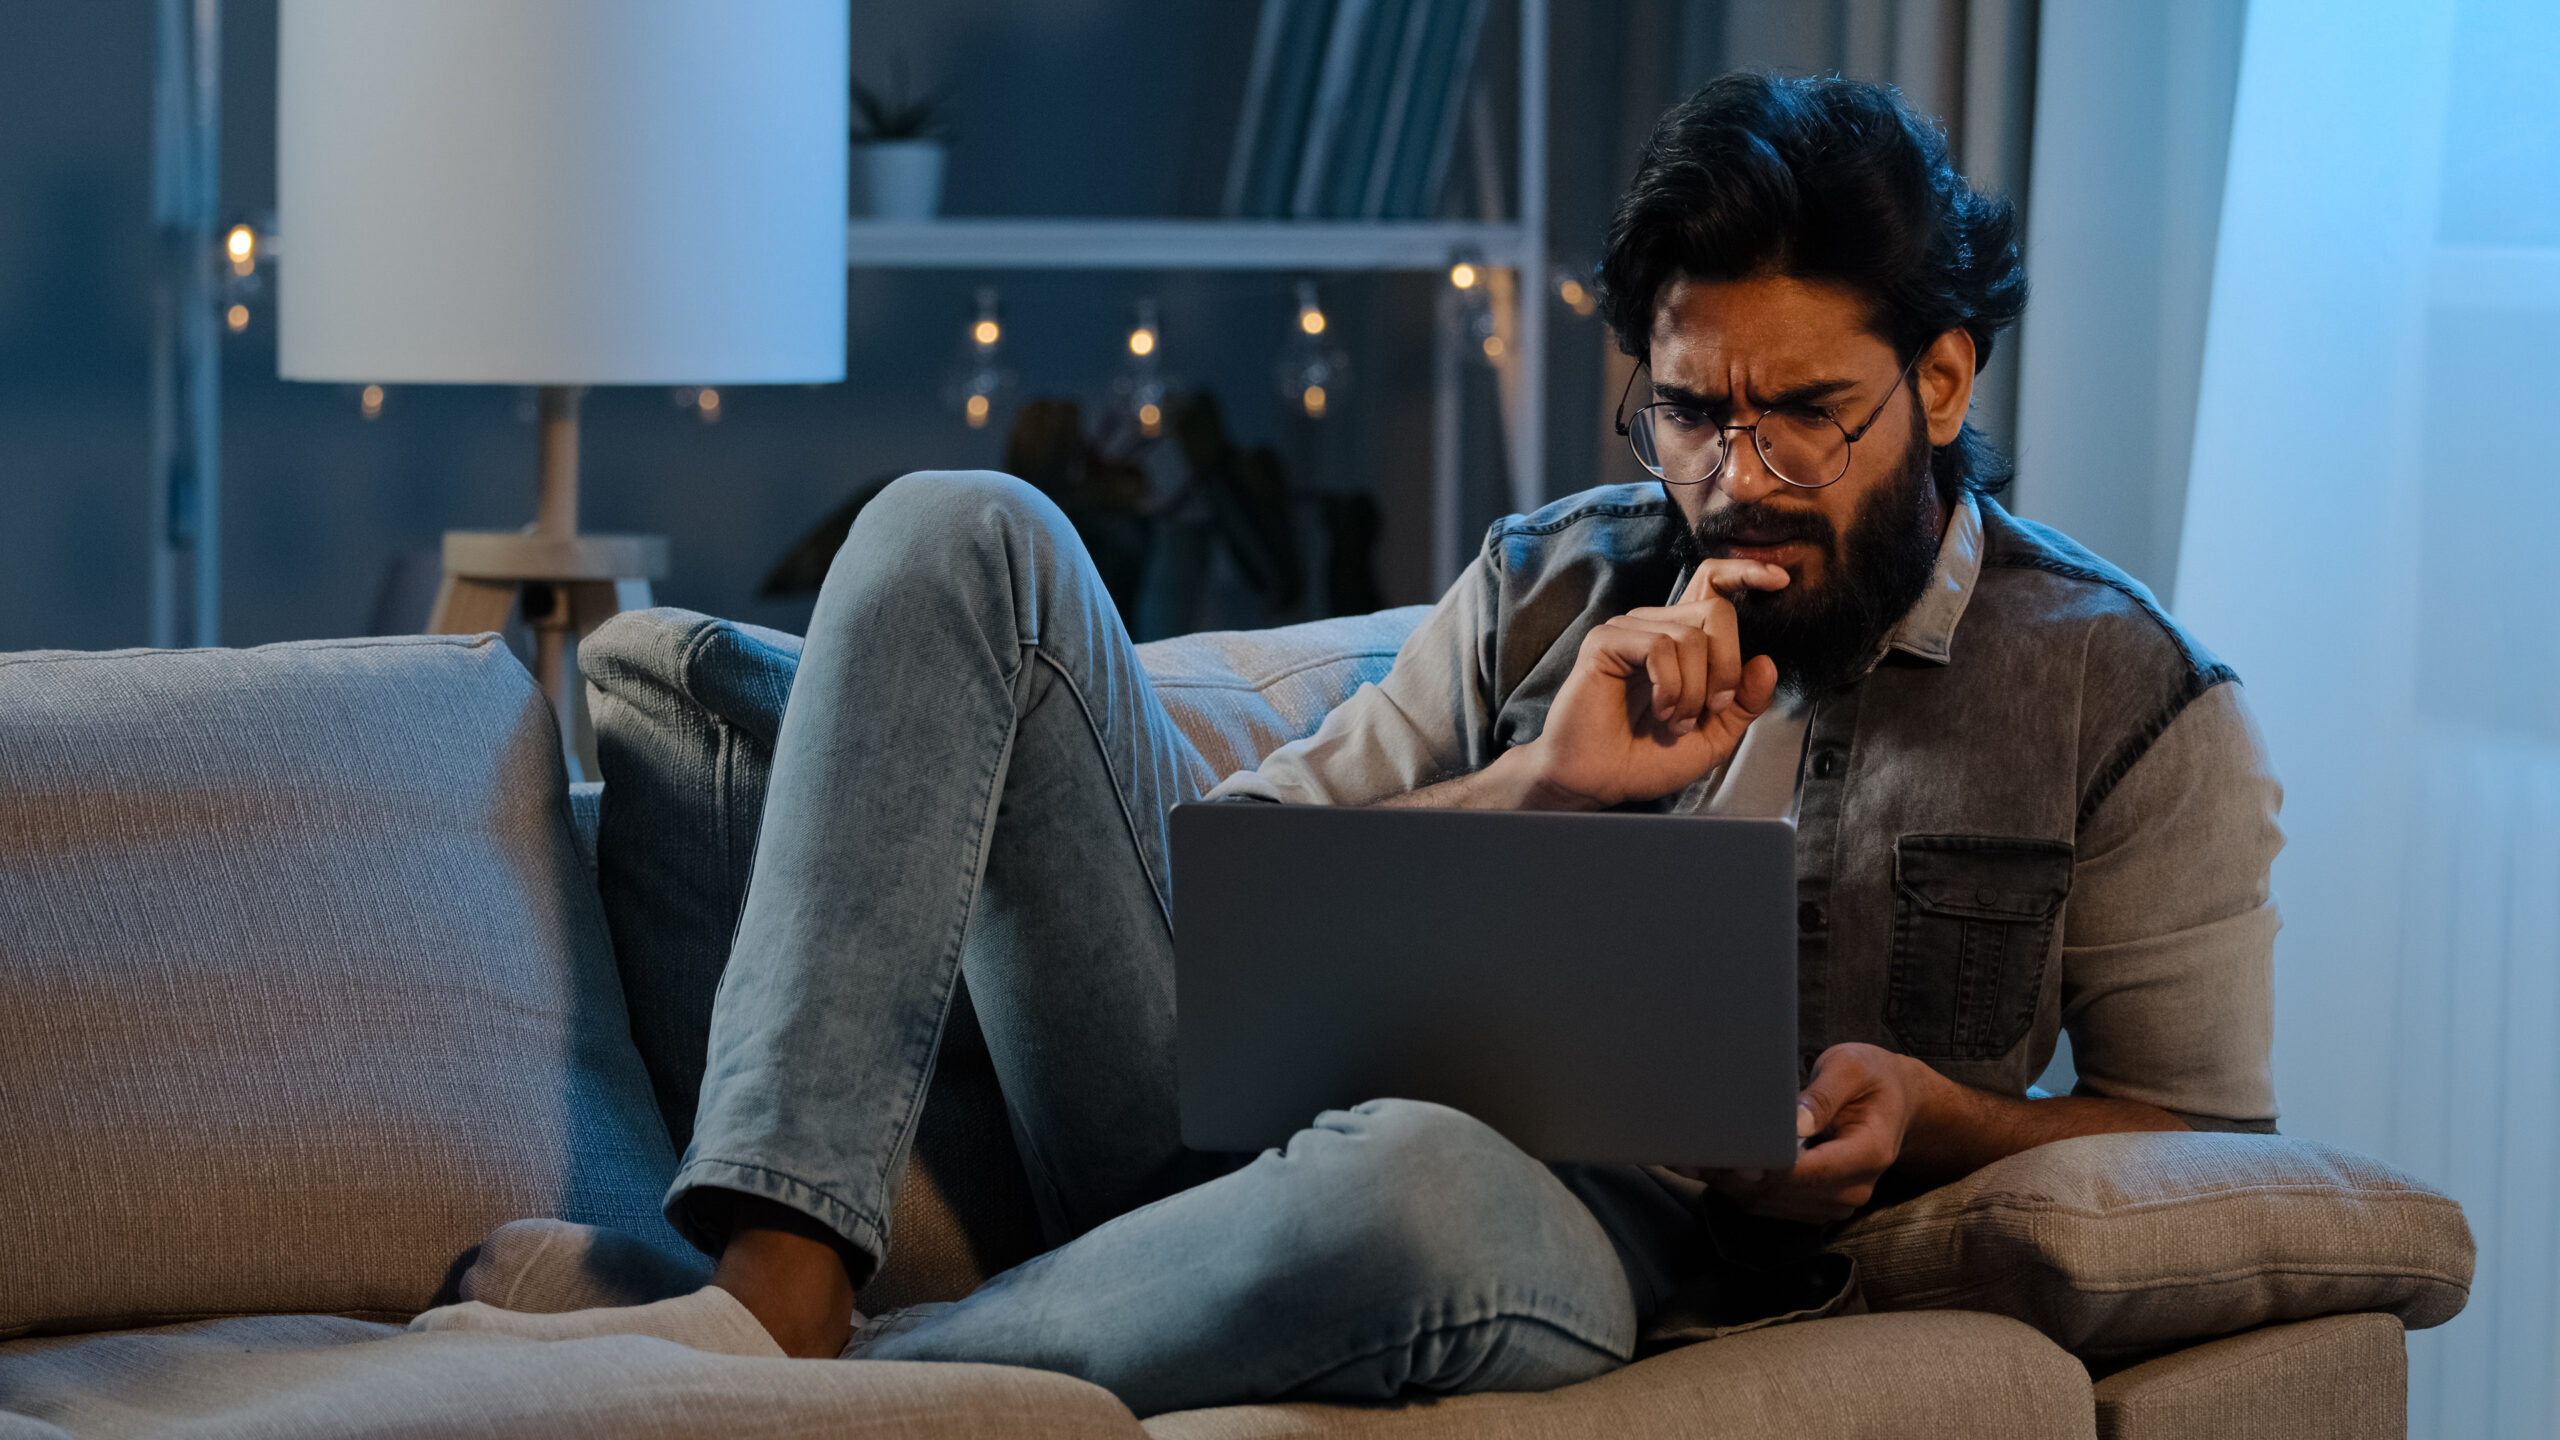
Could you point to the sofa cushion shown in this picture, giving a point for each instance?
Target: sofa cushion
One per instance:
(1241, 694)
(2124, 1244)
(1946, 1376)
(302, 988)
(313, 1378)
(687, 708)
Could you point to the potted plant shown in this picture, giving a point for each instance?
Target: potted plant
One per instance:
(897, 150)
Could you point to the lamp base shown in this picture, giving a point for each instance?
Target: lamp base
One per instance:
(565, 586)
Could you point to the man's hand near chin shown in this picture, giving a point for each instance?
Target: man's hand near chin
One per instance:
(1869, 1110)
(1658, 697)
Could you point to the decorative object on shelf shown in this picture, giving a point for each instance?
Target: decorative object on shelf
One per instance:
(898, 152)
(1140, 387)
(1352, 108)
(1312, 370)
(594, 154)
(979, 383)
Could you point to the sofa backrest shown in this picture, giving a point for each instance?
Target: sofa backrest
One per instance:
(302, 988)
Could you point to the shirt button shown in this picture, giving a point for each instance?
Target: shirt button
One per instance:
(1826, 763)
(1986, 895)
(1808, 916)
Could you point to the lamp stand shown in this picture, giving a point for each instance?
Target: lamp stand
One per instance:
(565, 584)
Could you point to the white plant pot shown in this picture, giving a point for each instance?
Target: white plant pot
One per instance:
(899, 179)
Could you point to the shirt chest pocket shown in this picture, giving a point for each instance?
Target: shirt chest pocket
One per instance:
(1973, 920)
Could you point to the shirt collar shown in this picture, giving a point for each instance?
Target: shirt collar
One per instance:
(1928, 629)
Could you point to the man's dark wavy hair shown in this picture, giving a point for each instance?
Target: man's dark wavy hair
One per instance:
(1821, 179)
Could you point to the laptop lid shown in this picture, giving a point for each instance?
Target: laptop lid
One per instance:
(1598, 988)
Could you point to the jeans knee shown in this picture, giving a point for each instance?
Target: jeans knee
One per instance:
(947, 523)
(1420, 1200)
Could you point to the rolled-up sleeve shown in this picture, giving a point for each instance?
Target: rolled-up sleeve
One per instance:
(1401, 732)
(2169, 937)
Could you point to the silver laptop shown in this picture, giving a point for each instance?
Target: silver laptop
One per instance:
(1595, 987)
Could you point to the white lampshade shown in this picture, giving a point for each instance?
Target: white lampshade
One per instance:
(562, 192)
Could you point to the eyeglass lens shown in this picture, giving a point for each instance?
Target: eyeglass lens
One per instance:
(1685, 447)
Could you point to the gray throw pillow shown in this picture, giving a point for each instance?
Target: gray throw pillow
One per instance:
(2117, 1245)
(302, 988)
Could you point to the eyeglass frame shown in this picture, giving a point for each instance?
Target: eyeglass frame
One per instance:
(1848, 438)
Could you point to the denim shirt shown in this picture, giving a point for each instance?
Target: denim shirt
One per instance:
(2043, 808)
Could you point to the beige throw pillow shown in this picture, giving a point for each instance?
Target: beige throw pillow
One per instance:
(2120, 1244)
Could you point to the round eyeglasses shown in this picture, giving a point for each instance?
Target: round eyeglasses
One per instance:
(1806, 448)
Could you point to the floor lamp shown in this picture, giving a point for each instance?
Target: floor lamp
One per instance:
(560, 194)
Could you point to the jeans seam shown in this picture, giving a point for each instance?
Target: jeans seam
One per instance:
(1119, 782)
(920, 1077)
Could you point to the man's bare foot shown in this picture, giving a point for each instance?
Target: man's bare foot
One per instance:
(785, 1268)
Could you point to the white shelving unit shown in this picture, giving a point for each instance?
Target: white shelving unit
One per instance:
(1292, 245)
(1517, 246)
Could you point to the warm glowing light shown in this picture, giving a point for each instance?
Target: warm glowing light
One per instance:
(1142, 341)
(241, 242)
(977, 412)
(1311, 321)
(237, 317)
(985, 332)
(1463, 275)
(708, 402)
(1576, 297)
(1313, 399)
(1493, 347)
(1150, 417)
(371, 402)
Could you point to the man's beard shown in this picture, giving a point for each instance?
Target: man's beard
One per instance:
(1826, 636)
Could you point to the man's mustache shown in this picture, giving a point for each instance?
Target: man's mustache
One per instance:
(1761, 524)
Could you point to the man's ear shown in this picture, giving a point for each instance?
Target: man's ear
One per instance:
(1944, 382)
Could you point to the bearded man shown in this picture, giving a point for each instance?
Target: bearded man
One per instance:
(2025, 801)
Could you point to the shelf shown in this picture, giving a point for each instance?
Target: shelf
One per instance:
(1178, 244)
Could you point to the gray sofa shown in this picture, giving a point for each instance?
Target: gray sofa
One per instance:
(313, 971)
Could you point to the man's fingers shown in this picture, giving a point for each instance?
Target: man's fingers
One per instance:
(1759, 686)
(1728, 578)
(1836, 1081)
(1677, 660)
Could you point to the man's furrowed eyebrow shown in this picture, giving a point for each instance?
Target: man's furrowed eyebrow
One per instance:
(1812, 392)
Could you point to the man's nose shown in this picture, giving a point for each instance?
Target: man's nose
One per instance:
(1746, 476)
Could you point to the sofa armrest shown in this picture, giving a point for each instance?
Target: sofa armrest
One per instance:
(2341, 1377)
(2128, 1244)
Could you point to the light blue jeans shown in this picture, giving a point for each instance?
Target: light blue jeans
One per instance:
(973, 777)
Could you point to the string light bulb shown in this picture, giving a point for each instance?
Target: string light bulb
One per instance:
(1463, 275)
(370, 402)
(242, 246)
(237, 317)
(707, 404)
(1311, 372)
(1139, 389)
(980, 378)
